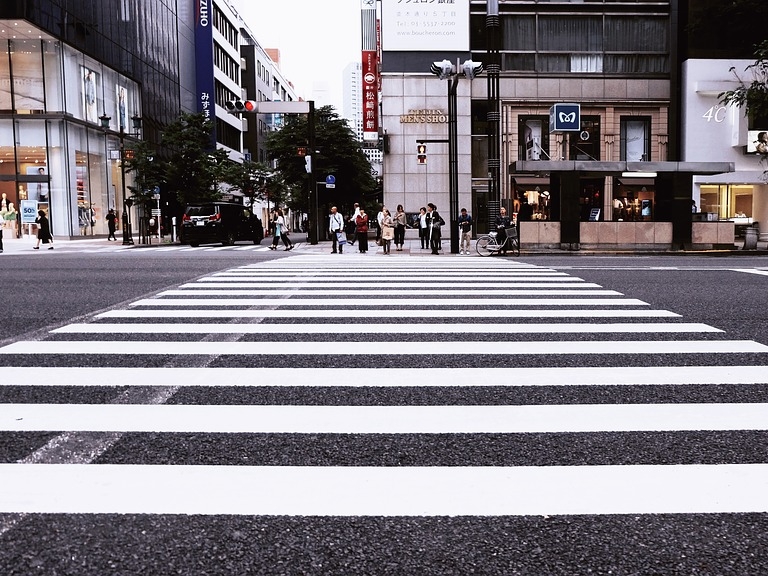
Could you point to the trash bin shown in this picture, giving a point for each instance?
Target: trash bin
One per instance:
(750, 238)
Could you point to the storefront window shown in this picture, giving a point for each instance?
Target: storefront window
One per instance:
(728, 201)
(534, 138)
(634, 201)
(54, 97)
(585, 145)
(27, 66)
(635, 139)
(5, 77)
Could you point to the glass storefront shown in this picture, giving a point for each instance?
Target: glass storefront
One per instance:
(54, 153)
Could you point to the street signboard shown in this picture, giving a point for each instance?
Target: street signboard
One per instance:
(28, 211)
(565, 118)
(330, 181)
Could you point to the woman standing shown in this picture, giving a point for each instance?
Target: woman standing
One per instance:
(423, 230)
(280, 230)
(43, 230)
(400, 220)
(361, 231)
(387, 230)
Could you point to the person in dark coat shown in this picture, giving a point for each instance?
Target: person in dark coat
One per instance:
(361, 231)
(111, 224)
(43, 230)
(434, 222)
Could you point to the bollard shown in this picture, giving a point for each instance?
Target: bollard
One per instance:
(750, 238)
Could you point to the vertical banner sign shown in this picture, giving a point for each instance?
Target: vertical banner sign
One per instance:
(370, 72)
(205, 88)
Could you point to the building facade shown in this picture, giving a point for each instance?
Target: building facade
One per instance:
(619, 178)
(74, 80)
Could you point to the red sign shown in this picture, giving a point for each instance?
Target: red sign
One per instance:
(370, 95)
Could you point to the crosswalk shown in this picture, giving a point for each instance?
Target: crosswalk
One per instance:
(415, 356)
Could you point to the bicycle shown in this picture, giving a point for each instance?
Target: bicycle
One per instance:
(488, 244)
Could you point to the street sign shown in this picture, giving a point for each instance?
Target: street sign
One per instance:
(330, 181)
(156, 212)
(28, 211)
(565, 118)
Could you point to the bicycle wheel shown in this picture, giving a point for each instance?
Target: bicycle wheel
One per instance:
(482, 246)
(516, 246)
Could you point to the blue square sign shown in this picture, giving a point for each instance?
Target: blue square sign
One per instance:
(565, 118)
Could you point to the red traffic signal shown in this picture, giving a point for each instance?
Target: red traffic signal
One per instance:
(421, 153)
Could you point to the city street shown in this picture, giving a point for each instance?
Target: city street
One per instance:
(243, 411)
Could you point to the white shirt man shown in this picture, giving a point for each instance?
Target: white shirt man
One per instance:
(336, 228)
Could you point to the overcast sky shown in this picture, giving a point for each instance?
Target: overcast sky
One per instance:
(317, 40)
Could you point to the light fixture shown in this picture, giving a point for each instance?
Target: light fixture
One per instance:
(638, 174)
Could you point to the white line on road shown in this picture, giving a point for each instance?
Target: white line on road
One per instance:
(417, 313)
(385, 491)
(425, 285)
(334, 349)
(391, 377)
(390, 302)
(259, 419)
(383, 290)
(383, 328)
(752, 271)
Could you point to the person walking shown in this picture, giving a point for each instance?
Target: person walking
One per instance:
(465, 231)
(423, 229)
(111, 219)
(281, 230)
(43, 230)
(387, 231)
(353, 225)
(434, 222)
(361, 231)
(400, 220)
(336, 228)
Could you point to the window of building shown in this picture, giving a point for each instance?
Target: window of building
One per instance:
(633, 199)
(635, 139)
(533, 138)
(728, 201)
(585, 145)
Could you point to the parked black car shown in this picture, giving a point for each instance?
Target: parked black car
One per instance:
(224, 222)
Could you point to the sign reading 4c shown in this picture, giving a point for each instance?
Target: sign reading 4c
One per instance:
(715, 114)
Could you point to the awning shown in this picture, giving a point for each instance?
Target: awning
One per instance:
(597, 168)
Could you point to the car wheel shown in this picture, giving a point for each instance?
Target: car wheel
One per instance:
(194, 244)
(229, 240)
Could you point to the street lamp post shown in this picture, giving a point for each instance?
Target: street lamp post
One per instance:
(127, 202)
(445, 70)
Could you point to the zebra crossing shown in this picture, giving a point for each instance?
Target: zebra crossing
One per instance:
(515, 352)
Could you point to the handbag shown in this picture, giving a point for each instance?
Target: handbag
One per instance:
(341, 238)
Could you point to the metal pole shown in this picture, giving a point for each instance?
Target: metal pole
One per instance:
(127, 237)
(314, 223)
(453, 161)
(493, 67)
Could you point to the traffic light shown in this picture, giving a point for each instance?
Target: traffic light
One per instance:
(238, 105)
(421, 153)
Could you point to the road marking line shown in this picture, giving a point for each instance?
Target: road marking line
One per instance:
(389, 302)
(389, 378)
(383, 328)
(417, 313)
(751, 271)
(259, 419)
(333, 349)
(388, 285)
(382, 290)
(383, 491)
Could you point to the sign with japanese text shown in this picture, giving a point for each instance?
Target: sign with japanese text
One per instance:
(204, 61)
(370, 95)
(425, 25)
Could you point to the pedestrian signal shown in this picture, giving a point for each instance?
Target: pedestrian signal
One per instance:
(421, 153)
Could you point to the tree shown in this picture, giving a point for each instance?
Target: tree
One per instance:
(142, 160)
(337, 152)
(257, 182)
(194, 167)
(753, 95)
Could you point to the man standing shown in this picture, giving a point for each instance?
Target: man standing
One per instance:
(335, 227)
(465, 231)
(502, 223)
(434, 222)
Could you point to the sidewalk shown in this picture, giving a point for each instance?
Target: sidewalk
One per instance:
(26, 244)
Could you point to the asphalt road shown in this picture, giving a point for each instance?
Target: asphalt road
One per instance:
(47, 291)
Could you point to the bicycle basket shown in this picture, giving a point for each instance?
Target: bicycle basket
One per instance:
(511, 232)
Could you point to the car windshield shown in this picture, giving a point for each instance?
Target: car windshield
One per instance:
(202, 210)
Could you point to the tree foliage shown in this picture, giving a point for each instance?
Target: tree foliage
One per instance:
(336, 153)
(752, 95)
(194, 167)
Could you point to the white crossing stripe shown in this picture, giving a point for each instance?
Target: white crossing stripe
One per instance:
(384, 291)
(752, 271)
(382, 328)
(528, 419)
(479, 300)
(424, 285)
(391, 377)
(385, 491)
(356, 313)
(512, 348)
